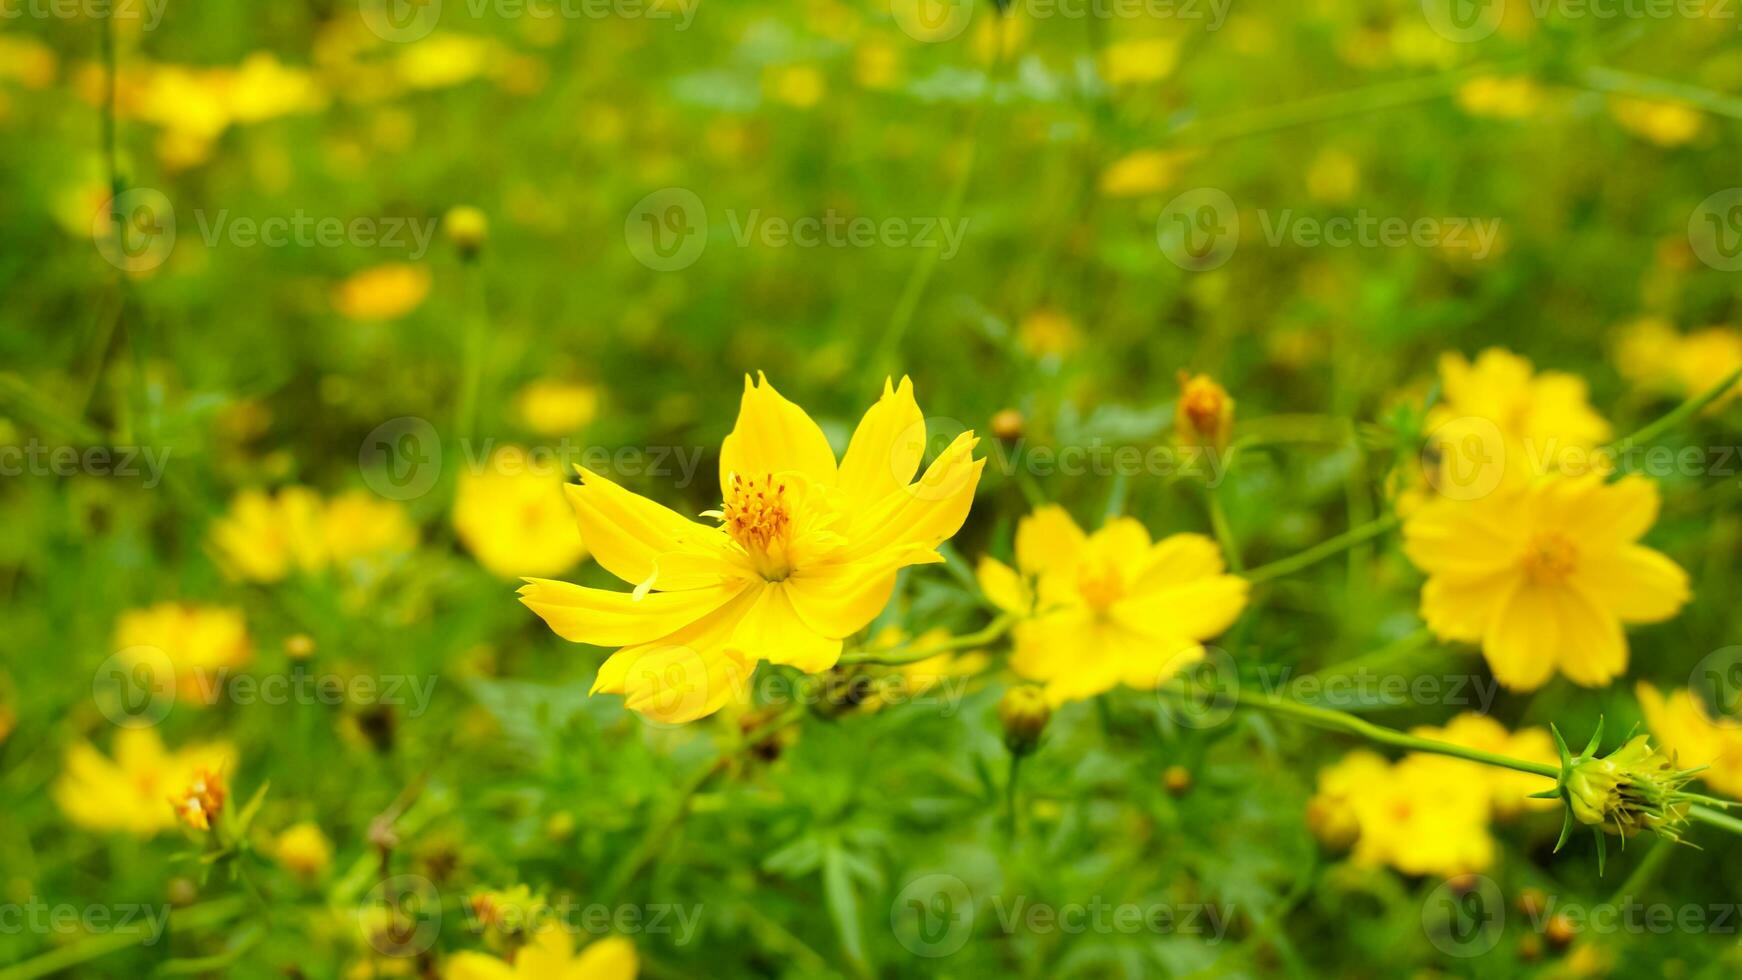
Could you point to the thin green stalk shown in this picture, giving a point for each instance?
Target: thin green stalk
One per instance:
(67, 957)
(1675, 416)
(1626, 83)
(1716, 818)
(1010, 807)
(472, 368)
(901, 657)
(1224, 531)
(1323, 550)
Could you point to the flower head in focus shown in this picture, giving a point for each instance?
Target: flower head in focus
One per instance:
(804, 553)
(1111, 608)
(126, 793)
(1636, 787)
(551, 956)
(511, 515)
(1544, 577)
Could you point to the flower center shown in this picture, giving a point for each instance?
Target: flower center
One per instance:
(758, 515)
(1100, 585)
(1550, 557)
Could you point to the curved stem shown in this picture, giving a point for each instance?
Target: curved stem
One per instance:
(1324, 549)
(1675, 416)
(902, 657)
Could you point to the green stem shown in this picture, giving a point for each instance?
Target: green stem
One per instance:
(1675, 416)
(1010, 807)
(1323, 550)
(472, 370)
(1224, 531)
(1609, 80)
(1715, 818)
(67, 957)
(902, 657)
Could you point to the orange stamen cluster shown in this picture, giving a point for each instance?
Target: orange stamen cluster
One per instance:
(1550, 557)
(201, 801)
(758, 515)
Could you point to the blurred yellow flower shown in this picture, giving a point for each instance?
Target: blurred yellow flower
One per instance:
(361, 526)
(802, 86)
(1662, 122)
(806, 553)
(303, 850)
(1331, 813)
(557, 408)
(1333, 177)
(264, 538)
(510, 514)
(877, 65)
(1499, 423)
(1048, 333)
(1648, 353)
(1422, 819)
(1500, 97)
(551, 956)
(384, 292)
(1204, 414)
(1110, 608)
(1508, 790)
(262, 88)
(27, 60)
(1148, 59)
(1544, 576)
(1143, 172)
(197, 642)
(132, 792)
(1686, 730)
(445, 60)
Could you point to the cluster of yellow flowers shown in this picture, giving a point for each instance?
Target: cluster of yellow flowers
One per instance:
(144, 788)
(1652, 354)
(195, 640)
(268, 537)
(1429, 814)
(511, 515)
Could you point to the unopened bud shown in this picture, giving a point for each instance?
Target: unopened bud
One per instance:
(1024, 712)
(1007, 425)
(467, 228)
(1204, 415)
(1177, 780)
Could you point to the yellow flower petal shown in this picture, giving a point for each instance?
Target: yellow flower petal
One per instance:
(1002, 586)
(611, 958)
(1178, 559)
(886, 448)
(1523, 638)
(1635, 583)
(1593, 648)
(614, 619)
(774, 435)
(1197, 610)
(839, 599)
(477, 966)
(772, 630)
(1047, 538)
(627, 533)
(925, 514)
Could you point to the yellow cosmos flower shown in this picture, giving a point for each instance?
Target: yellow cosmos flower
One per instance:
(805, 553)
(1501, 98)
(1331, 814)
(303, 850)
(1544, 577)
(1109, 608)
(1651, 354)
(264, 538)
(551, 956)
(1707, 357)
(1499, 422)
(801, 86)
(1508, 791)
(384, 292)
(1143, 172)
(511, 515)
(1048, 333)
(557, 408)
(197, 641)
(1686, 730)
(1661, 122)
(359, 526)
(1422, 819)
(1149, 59)
(131, 793)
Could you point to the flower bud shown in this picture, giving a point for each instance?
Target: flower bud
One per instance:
(1024, 712)
(1177, 780)
(1631, 789)
(201, 802)
(1007, 425)
(467, 228)
(1204, 414)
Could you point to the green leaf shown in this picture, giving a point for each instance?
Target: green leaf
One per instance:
(843, 904)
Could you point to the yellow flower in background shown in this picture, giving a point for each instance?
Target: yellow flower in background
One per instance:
(1499, 422)
(802, 86)
(877, 65)
(1647, 353)
(1334, 176)
(27, 60)
(1688, 732)
(557, 408)
(1499, 97)
(1543, 577)
(263, 88)
(1111, 608)
(551, 956)
(1422, 819)
(1331, 813)
(511, 515)
(1508, 790)
(922, 676)
(805, 554)
(1048, 333)
(1149, 59)
(1662, 122)
(446, 60)
(264, 538)
(198, 641)
(1144, 172)
(1204, 414)
(1705, 358)
(385, 292)
(131, 793)
(303, 850)
(359, 526)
